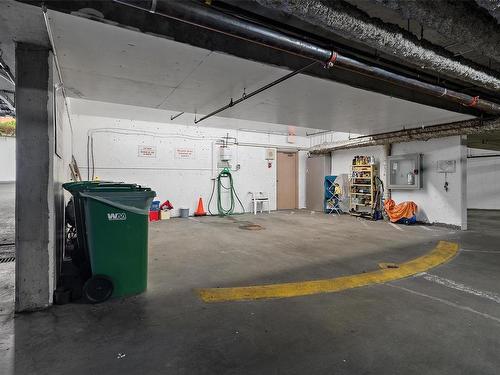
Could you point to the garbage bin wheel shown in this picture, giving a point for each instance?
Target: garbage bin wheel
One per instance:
(98, 289)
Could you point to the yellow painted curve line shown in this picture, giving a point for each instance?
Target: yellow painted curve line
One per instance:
(443, 252)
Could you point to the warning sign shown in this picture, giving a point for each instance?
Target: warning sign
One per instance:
(184, 153)
(146, 151)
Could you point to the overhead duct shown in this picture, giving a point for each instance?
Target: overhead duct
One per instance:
(351, 23)
(492, 7)
(457, 20)
(211, 19)
(474, 126)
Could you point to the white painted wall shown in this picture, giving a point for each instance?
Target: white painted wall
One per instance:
(342, 159)
(483, 180)
(7, 159)
(434, 204)
(182, 181)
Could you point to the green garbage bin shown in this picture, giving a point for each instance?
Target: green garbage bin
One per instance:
(112, 229)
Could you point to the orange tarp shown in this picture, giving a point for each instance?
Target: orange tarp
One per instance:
(399, 211)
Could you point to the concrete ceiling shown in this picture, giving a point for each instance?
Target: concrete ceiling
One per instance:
(103, 62)
(463, 37)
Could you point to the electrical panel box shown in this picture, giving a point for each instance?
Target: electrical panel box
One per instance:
(405, 172)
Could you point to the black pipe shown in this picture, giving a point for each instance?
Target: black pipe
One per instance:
(483, 156)
(206, 17)
(175, 116)
(263, 88)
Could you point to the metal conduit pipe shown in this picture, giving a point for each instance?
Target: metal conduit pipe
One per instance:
(208, 18)
(473, 126)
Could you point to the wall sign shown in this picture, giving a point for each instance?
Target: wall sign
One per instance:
(146, 151)
(184, 153)
(447, 166)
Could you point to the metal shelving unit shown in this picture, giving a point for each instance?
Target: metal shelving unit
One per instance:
(362, 189)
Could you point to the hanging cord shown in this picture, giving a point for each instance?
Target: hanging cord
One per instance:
(225, 173)
(381, 183)
(379, 195)
(220, 189)
(211, 196)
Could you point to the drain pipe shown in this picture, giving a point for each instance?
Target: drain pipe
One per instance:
(208, 18)
(385, 165)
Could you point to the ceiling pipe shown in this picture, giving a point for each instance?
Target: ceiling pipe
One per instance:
(208, 18)
(483, 156)
(253, 93)
(474, 126)
(347, 20)
(173, 117)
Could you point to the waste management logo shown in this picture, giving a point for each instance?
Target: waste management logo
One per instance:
(117, 216)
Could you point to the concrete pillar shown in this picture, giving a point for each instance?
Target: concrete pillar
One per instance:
(463, 180)
(34, 178)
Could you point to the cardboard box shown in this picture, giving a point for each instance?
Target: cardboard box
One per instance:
(164, 214)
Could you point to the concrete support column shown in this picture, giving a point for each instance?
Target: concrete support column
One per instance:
(463, 180)
(34, 178)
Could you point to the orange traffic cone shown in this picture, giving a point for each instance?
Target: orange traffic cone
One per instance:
(200, 211)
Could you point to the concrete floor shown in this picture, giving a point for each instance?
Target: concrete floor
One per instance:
(449, 324)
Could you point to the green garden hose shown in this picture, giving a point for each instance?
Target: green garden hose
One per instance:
(224, 174)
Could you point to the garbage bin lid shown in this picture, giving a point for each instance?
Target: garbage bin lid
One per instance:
(81, 186)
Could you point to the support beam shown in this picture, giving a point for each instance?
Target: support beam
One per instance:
(34, 178)
(467, 127)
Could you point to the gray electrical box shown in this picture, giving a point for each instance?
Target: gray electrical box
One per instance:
(317, 167)
(405, 172)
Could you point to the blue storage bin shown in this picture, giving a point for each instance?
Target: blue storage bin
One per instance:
(407, 221)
